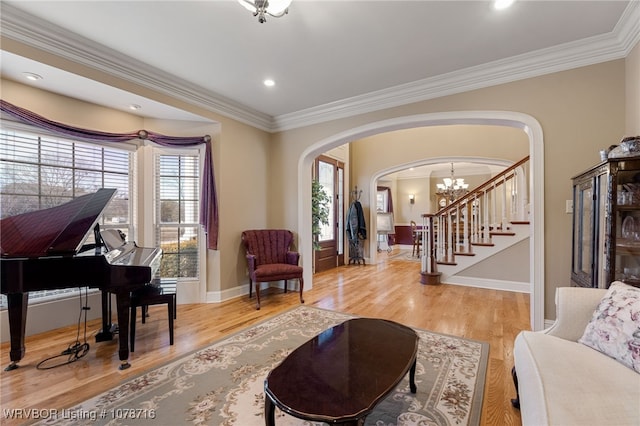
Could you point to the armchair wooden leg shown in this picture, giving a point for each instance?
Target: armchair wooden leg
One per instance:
(257, 295)
(301, 287)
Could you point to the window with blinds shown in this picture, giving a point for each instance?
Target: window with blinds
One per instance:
(39, 171)
(178, 214)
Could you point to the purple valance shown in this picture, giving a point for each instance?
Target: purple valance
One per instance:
(208, 197)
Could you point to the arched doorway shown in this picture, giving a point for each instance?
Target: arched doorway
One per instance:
(495, 118)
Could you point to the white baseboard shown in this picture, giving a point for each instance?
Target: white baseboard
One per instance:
(228, 294)
(519, 287)
(54, 314)
(243, 291)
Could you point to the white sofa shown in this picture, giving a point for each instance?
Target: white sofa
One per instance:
(563, 382)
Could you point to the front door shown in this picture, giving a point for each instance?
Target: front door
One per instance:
(330, 174)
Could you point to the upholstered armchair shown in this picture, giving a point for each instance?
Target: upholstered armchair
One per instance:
(269, 259)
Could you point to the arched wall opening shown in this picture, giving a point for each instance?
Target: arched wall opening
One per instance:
(521, 121)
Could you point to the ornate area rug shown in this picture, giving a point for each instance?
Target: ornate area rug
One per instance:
(223, 383)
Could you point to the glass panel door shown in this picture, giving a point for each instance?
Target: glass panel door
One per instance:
(326, 176)
(329, 173)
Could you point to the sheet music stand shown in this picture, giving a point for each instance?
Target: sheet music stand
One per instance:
(384, 227)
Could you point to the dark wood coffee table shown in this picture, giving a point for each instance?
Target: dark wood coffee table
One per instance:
(340, 375)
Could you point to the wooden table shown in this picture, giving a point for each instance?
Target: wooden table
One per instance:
(340, 375)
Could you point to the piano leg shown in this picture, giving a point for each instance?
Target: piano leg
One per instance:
(17, 306)
(123, 299)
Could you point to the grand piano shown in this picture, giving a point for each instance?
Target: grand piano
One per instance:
(46, 250)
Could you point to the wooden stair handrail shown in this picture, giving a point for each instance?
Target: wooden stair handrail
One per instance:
(480, 189)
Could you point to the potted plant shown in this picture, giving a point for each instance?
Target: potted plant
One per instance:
(320, 202)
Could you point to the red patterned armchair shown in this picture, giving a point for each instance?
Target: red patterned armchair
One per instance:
(269, 258)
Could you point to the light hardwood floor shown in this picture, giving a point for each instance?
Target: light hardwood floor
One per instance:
(389, 289)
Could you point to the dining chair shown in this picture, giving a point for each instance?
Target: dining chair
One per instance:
(417, 239)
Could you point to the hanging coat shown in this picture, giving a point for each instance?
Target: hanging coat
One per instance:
(356, 226)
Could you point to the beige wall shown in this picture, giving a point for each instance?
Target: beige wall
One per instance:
(580, 112)
(403, 211)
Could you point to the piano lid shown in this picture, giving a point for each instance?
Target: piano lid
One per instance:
(59, 230)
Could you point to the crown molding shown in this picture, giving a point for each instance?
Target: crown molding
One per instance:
(36, 33)
(32, 31)
(593, 50)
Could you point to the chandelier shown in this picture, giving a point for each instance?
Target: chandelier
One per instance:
(261, 8)
(453, 187)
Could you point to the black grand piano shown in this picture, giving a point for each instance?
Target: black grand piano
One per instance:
(46, 250)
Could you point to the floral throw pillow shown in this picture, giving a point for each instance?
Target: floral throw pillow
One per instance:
(614, 328)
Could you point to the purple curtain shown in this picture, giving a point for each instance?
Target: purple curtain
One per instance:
(208, 196)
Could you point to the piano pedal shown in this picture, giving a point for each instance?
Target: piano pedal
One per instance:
(105, 336)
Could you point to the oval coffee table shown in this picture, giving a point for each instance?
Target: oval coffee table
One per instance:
(340, 375)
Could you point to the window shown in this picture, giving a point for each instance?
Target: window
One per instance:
(40, 171)
(178, 213)
(382, 200)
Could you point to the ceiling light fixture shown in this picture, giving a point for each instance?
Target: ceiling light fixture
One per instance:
(32, 76)
(262, 8)
(269, 82)
(502, 4)
(452, 188)
(134, 107)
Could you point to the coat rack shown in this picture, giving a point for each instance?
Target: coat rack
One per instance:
(355, 194)
(356, 228)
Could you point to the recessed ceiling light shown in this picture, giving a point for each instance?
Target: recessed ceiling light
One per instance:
(502, 4)
(269, 82)
(135, 107)
(32, 76)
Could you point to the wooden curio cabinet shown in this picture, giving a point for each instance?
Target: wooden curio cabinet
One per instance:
(606, 224)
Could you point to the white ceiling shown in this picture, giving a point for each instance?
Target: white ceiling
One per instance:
(330, 59)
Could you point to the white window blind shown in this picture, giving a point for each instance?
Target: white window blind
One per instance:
(178, 214)
(39, 171)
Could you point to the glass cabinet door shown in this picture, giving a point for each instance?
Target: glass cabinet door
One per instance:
(600, 279)
(626, 261)
(583, 233)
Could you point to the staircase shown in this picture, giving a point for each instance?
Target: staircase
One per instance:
(487, 220)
